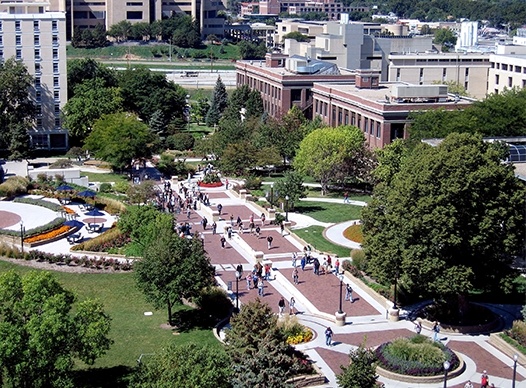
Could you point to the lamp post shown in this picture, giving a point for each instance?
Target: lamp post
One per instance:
(446, 366)
(515, 358)
(239, 272)
(272, 194)
(287, 208)
(340, 311)
(22, 232)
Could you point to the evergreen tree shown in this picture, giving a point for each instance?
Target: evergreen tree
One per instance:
(219, 103)
(254, 104)
(19, 144)
(260, 356)
(157, 125)
(361, 372)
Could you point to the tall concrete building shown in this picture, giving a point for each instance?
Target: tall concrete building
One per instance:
(35, 33)
(87, 14)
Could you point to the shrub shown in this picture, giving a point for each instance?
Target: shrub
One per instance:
(518, 332)
(42, 178)
(59, 178)
(112, 238)
(294, 331)
(214, 302)
(416, 356)
(252, 183)
(13, 186)
(121, 187)
(347, 265)
(61, 163)
(39, 202)
(211, 178)
(358, 259)
(105, 187)
(111, 205)
(180, 141)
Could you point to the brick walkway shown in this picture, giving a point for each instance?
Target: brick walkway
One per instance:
(372, 338)
(280, 245)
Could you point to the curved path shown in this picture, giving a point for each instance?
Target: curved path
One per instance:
(334, 234)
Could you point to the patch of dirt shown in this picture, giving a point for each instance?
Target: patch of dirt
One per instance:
(131, 57)
(54, 267)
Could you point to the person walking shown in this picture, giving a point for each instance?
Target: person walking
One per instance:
(328, 336)
(468, 384)
(303, 262)
(258, 231)
(348, 293)
(484, 380)
(316, 266)
(219, 208)
(337, 267)
(204, 222)
(292, 302)
(295, 275)
(261, 288)
(249, 279)
(346, 197)
(294, 259)
(436, 330)
(229, 232)
(262, 219)
(282, 229)
(214, 228)
(223, 242)
(269, 242)
(188, 212)
(418, 327)
(281, 306)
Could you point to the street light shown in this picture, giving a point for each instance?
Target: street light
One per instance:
(515, 358)
(446, 366)
(340, 311)
(22, 232)
(287, 208)
(271, 194)
(239, 272)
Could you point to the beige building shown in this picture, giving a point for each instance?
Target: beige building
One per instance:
(33, 33)
(87, 14)
(506, 72)
(469, 70)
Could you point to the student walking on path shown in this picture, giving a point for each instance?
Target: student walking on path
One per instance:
(269, 242)
(292, 302)
(328, 336)
(281, 306)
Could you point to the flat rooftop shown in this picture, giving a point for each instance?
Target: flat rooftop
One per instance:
(283, 71)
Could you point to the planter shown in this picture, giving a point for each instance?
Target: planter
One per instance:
(210, 185)
(423, 379)
(49, 240)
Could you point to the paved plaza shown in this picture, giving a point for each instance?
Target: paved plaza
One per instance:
(317, 297)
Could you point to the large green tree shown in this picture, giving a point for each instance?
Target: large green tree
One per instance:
(260, 356)
(292, 186)
(326, 153)
(218, 104)
(449, 221)
(119, 138)
(16, 108)
(184, 366)
(43, 331)
(91, 101)
(361, 372)
(173, 269)
(80, 70)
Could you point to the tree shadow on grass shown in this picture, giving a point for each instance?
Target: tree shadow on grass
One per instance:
(301, 208)
(187, 320)
(114, 377)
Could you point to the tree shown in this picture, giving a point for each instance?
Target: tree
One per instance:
(450, 221)
(260, 356)
(218, 104)
(143, 193)
(120, 31)
(361, 372)
(80, 70)
(249, 50)
(291, 185)
(173, 269)
(238, 157)
(91, 101)
(444, 37)
(324, 152)
(200, 110)
(297, 36)
(119, 138)
(43, 330)
(182, 366)
(16, 108)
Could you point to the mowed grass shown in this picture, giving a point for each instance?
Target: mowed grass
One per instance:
(133, 332)
(104, 177)
(316, 192)
(313, 235)
(329, 212)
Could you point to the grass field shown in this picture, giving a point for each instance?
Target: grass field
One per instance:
(313, 235)
(133, 332)
(105, 177)
(329, 212)
(316, 192)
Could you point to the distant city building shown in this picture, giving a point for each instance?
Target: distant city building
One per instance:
(34, 32)
(285, 81)
(507, 71)
(86, 14)
(332, 8)
(468, 36)
(380, 110)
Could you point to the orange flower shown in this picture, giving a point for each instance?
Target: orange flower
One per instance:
(68, 210)
(48, 235)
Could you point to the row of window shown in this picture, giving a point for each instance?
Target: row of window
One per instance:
(510, 81)
(341, 116)
(265, 88)
(38, 82)
(38, 95)
(37, 53)
(36, 40)
(36, 25)
(506, 67)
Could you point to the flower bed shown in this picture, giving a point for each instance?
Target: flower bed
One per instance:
(215, 184)
(68, 210)
(52, 234)
(294, 331)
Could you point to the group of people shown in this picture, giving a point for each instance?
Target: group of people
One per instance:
(282, 305)
(484, 382)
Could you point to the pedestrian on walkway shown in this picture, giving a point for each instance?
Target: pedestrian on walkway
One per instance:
(249, 279)
(436, 330)
(292, 302)
(337, 267)
(328, 336)
(223, 242)
(346, 197)
(294, 259)
(255, 280)
(282, 229)
(316, 266)
(295, 275)
(219, 208)
(214, 228)
(226, 183)
(188, 212)
(281, 306)
(261, 288)
(240, 229)
(251, 219)
(468, 384)
(231, 220)
(251, 226)
(418, 327)
(229, 232)
(348, 293)
(262, 219)
(267, 271)
(269, 242)
(258, 231)
(204, 222)
(303, 262)
(484, 380)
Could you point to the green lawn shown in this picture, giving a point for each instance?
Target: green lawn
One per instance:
(316, 192)
(328, 212)
(313, 235)
(133, 332)
(105, 177)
